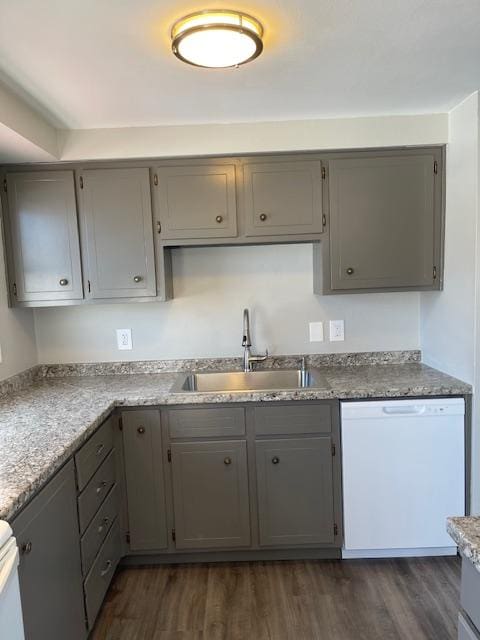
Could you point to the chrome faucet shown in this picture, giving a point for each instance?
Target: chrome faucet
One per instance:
(248, 359)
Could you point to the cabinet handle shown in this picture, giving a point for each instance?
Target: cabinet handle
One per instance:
(63, 282)
(350, 271)
(227, 461)
(141, 430)
(100, 448)
(219, 219)
(137, 278)
(105, 523)
(101, 486)
(26, 548)
(263, 217)
(275, 460)
(106, 569)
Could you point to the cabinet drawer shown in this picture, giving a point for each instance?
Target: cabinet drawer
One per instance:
(98, 529)
(205, 423)
(465, 629)
(292, 419)
(93, 453)
(94, 493)
(101, 573)
(470, 591)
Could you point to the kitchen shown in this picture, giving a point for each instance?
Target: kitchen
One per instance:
(238, 321)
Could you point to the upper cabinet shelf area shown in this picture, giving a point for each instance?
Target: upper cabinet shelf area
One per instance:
(101, 232)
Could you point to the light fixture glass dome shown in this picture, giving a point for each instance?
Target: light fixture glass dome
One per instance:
(217, 39)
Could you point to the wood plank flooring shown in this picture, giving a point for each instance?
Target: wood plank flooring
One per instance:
(408, 599)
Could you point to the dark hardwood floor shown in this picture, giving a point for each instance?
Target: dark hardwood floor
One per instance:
(411, 599)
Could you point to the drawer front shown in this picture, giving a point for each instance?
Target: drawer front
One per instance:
(93, 453)
(98, 529)
(101, 573)
(292, 419)
(465, 629)
(96, 490)
(206, 423)
(470, 592)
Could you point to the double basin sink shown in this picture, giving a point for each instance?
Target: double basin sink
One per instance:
(231, 381)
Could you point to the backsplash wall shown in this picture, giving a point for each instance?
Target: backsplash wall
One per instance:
(212, 286)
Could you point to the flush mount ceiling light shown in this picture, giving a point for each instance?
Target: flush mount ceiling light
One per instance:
(217, 38)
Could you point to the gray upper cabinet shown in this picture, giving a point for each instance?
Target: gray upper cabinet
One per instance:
(196, 201)
(210, 490)
(142, 440)
(50, 571)
(295, 491)
(117, 217)
(385, 222)
(283, 198)
(45, 246)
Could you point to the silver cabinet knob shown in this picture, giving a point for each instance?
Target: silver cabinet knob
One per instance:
(219, 219)
(137, 278)
(141, 430)
(263, 217)
(105, 522)
(106, 569)
(26, 548)
(227, 461)
(350, 271)
(63, 282)
(99, 449)
(275, 460)
(101, 486)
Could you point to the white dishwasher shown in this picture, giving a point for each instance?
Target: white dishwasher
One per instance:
(11, 623)
(403, 466)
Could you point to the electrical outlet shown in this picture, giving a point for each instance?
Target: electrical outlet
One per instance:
(337, 330)
(316, 331)
(124, 339)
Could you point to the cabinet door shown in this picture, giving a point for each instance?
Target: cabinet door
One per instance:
(116, 206)
(197, 201)
(50, 571)
(283, 198)
(210, 488)
(383, 223)
(44, 230)
(295, 491)
(145, 484)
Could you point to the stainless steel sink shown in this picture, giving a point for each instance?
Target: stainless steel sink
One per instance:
(228, 381)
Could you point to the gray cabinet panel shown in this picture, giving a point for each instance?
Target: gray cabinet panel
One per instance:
(145, 483)
(210, 487)
(206, 423)
(117, 214)
(50, 573)
(96, 490)
(383, 221)
(196, 201)
(93, 453)
(98, 529)
(295, 491)
(293, 418)
(283, 198)
(43, 222)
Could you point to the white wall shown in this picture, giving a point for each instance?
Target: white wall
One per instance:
(212, 286)
(17, 335)
(449, 321)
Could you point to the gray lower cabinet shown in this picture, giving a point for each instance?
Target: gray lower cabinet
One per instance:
(295, 491)
(45, 250)
(196, 201)
(283, 198)
(144, 477)
(116, 211)
(210, 494)
(385, 212)
(50, 570)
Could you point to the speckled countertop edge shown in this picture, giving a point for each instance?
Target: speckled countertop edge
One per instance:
(465, 531)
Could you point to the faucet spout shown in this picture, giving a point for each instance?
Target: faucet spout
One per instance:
(248, 358)
(247, 341)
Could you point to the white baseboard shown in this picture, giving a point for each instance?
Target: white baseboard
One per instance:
(398, 553)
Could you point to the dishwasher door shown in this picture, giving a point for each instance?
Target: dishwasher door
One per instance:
(11, 623)
(403, 466)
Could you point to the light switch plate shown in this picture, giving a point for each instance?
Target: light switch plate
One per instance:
(337, 330)
(316, 331)
(124, 339)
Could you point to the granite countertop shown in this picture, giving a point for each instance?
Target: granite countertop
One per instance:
(47, 418)
(466, 533)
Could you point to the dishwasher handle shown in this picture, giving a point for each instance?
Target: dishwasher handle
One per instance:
(408, 410)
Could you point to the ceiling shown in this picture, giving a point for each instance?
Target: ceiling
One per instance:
(96, 64)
